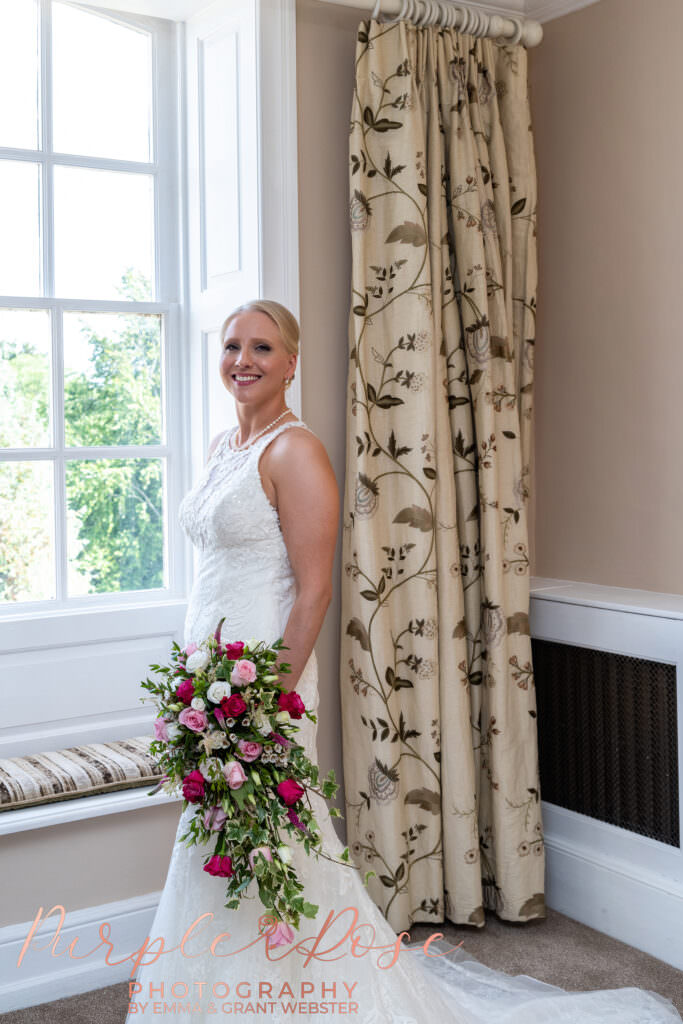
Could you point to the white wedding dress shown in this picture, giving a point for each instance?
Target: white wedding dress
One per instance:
(244, 574)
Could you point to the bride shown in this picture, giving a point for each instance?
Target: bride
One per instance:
(264, 516)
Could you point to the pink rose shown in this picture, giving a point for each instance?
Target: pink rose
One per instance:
(214, 818)
(289, 791)
(190, 649)
(291, 702)
(243, 672)
(193, 787)
(160, 730)
(233, 651)
(233, 706)
(234, 774)
(281, 936)
(265, 850)
(195, 720)
(220, 866)
(185, 691)
(249, 749)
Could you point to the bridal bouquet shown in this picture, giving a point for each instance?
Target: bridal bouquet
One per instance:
(226, 733)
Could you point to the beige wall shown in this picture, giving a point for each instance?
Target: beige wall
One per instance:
(606, 87)
(326, 46)
(124, 855)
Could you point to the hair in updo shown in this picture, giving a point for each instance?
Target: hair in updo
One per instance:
(285, 321)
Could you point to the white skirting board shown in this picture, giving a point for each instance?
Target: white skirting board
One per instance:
(630, 900)
(42, 978)
(632, 904)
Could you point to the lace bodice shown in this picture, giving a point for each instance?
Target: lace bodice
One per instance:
(243, 570)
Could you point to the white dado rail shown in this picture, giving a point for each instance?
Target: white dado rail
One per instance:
(621, 883)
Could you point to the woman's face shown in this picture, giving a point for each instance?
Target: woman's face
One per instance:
(254, 350)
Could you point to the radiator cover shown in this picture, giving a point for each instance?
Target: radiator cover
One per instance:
(608, 737)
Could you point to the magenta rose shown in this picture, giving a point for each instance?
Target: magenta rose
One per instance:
(185, 691)
(291, 702)
(193, 787)
(195, 720)
(219, 866)
(249, 749)
(233, 706)
(233, 651)
(244, 672)
(234, 774)
(214, 818)
(160, 730)
(289, 791)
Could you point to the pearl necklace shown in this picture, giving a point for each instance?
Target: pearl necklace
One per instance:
(243, 447)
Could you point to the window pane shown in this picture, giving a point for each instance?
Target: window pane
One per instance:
(19, 228)
(24, 378)
(27, 561)
(102, 81)
(19, 62)
(115, 530)
(104, 234)
(112, 379)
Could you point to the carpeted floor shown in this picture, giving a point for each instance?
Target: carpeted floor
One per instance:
(556, 950)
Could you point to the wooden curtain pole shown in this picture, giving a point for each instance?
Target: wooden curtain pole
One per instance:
(474, 19)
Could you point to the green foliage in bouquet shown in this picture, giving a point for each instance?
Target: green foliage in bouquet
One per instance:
(226, 734)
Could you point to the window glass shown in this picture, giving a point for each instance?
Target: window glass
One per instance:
(102, 86)
(27, 552)
(112, 378)
(19, 64)
(24, 378)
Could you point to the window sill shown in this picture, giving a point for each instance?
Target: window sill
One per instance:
(59, 627)
(80, 809)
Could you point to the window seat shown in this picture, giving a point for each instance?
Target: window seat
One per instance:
(74, 773)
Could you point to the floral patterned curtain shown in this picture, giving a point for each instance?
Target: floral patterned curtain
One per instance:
(438, 699)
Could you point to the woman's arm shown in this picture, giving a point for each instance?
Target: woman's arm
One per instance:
(308, 505)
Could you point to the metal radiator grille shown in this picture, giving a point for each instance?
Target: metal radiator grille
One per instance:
(607, 737)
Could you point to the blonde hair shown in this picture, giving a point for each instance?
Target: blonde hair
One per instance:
(285, 321)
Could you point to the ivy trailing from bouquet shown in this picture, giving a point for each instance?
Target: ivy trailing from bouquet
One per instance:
(226, 735)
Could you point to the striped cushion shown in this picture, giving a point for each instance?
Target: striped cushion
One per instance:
(76, 771)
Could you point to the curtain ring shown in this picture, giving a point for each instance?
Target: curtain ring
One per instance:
(401, 14)
(451, 14)
(428, 14)
(376, 11)
(518, 32)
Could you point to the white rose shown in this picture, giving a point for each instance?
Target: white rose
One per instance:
(218, 690)
(251, 644)
(197, 661)
(197, 703)
(282, 717)
(284, 853)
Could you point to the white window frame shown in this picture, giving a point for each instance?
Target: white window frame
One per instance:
(164, 170)
(100, 649)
